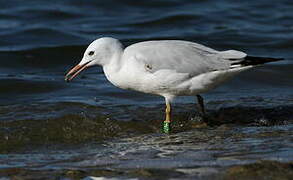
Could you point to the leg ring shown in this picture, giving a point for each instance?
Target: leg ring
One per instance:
(166, 127)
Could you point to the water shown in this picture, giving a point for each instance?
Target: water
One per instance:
(49, 128)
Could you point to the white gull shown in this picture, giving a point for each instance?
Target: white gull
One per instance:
(168, 68)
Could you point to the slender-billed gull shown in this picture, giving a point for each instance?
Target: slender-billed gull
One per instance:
(168, 68)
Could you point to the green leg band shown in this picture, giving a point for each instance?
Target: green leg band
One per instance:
(166, 127)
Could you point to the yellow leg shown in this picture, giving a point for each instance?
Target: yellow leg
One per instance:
(168, 112)
(166, 124)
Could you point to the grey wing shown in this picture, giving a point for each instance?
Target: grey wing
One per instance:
(182, 56)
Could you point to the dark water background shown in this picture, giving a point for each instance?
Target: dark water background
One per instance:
(89, 127)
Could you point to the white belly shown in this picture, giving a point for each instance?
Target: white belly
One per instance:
(169, 82)
(208, 81)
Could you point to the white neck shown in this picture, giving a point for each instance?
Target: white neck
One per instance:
(112, 68)
(114, 64)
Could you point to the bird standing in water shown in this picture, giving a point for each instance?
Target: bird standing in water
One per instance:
(168, 68)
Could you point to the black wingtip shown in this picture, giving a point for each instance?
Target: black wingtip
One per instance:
(254, 60)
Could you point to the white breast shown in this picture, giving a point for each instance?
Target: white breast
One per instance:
(134, 75)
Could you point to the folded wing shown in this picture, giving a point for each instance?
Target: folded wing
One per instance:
(182, 56)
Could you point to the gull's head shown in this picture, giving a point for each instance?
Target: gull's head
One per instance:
(99, 52)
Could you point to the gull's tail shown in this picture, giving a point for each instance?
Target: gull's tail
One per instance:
(253, 60)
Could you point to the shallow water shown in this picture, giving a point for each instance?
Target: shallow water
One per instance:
(47, 125)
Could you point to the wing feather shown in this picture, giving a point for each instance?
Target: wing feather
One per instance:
(181, 56)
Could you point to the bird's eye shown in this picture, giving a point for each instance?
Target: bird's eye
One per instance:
(91, 53)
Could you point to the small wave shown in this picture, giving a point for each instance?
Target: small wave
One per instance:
(15, 87)
(50, 14)
(33, 38)
(167, 19)
(77, 122)
(66, 129)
